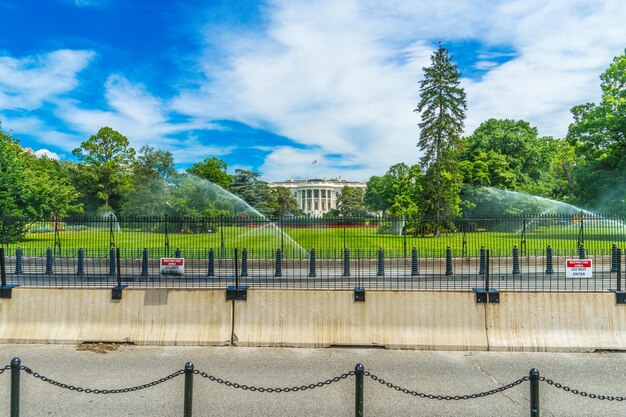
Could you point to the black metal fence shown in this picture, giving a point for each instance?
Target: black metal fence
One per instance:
(527, 253)
(359, 375)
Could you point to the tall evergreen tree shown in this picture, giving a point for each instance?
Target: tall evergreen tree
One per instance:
(442, 110)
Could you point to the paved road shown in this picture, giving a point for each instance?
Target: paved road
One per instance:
(447, 373)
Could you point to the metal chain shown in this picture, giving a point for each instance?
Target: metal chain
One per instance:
(6, 368)
(277, 390)
(100, 391)
(582, 393)
(446, 397)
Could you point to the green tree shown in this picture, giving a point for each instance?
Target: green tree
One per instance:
(284, 202)
(598, 135)
(350, 202)
(107, 159)
(248, 186)
(214, 170)
(148, 183)
(442, 110)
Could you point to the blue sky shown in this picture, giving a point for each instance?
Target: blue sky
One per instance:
(274, 85)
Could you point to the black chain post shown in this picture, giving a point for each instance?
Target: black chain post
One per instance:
(18, 261)
(177, 253)
(549, 263)
(244, 262)
(516, 270)
(49, 261)
(188, 407)
(481, 270)
(619, 269)
(278, 272)
(487, 271)
(15, 387)
(346, 261)
(211, 266)
(414, 262)
(119, 269)
(312, 272)
(80, 267)
(380, 270)
(614, 257)
(359, 371)
(144, 262)
(112, 262)
(534, 392)
(581, 251)
(448, 261)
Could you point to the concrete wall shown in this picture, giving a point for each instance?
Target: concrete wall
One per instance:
(571, 322)
(143, 316)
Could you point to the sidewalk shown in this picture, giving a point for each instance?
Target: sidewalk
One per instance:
(439, 373)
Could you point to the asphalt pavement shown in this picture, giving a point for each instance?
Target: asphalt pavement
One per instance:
(426, 372)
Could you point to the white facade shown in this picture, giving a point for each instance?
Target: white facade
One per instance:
(317, 196)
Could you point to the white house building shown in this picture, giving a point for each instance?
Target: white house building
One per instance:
(317, 196)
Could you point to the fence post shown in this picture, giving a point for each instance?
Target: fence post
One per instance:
(144, 262)
(312, 263)
(534, 392)
(481, 270)
(346, 262)
(619, 270)
(188, 407)
(211, 268)
(18, 260)
(119, 269)
(414, 263)
(549, 263)
(487, 272)
(581, 251)
(614, 258)
(15, 387)
(244, 262)
(3, 272)
(112, 262)
(380, 270)
(516, 270)
(279, 264)
(80, 267)
(448, 261)
(359, 370)
(177, 253)
(49, 261)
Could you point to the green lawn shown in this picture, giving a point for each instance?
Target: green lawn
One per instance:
(262, 242)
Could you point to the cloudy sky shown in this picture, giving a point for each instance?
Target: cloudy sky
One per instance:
(275, 85)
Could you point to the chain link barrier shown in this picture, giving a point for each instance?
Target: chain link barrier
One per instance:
(313, 386)
(582, 393)
(6, 368)
(271, 390)
(446, 397)
(100, 391)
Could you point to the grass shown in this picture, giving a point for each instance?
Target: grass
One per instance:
(262, 242)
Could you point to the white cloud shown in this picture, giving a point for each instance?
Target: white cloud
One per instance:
(47, 153)
(26, 83)
(340, 77)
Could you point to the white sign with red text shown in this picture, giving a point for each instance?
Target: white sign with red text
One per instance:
(578, 268)
(172, 266)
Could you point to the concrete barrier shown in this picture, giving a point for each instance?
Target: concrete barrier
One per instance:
(394, 319)
(556, 322)
(143, 316)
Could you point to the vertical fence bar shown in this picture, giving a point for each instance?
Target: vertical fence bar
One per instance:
(380, 269)
(359, 370)
(244, 262)
(278, 272)
(481, 268)
(581, 251)
(619, 269)
(414, 262)
(112, 262)
(516, 270)
(487, 271)
(534, 392)
(144, 262)
(188, 407)
(15, 387)
(346, 262)
(614, 257)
